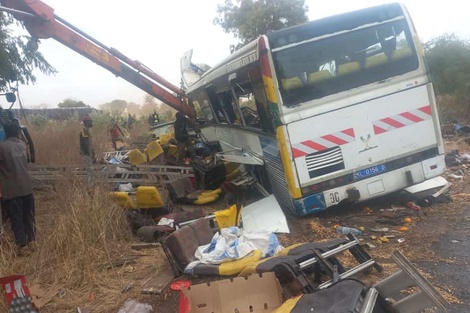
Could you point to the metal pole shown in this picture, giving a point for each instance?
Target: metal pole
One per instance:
(13, 11)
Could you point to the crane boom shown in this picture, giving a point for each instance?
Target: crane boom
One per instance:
(41, 22)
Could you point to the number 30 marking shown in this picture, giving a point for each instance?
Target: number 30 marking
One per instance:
(334, 197)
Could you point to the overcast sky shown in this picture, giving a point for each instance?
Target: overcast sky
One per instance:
(157, 33)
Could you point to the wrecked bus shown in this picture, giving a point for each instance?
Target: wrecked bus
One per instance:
(338, 110)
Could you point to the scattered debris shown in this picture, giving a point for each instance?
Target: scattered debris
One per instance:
(369, 245)
(384, 239)
(132, 306)
(255, 293)
(127, 288)
(180, 284)
(17, 294)
(41, 297)
(380, 230)
(157, 283)
(119, 263)
(148, 245)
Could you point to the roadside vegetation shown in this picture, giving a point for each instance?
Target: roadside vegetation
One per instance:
(83, 240)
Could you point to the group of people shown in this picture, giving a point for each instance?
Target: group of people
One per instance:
(184, 140)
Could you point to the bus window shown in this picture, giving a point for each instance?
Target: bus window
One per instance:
(319, 67)
(247, 104)
(204, 108)
(266, 122)
(198, 110)
(227, 105)
(219, 111)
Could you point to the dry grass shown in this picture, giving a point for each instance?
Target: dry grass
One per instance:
(57, 142)
(81, 233)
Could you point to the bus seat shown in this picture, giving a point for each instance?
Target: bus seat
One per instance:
(291, 83)
(154, 149)
(319, 76)
(122, 199)
(376, 60)
(401, 53)
(164, 138)
(348, 68)
(148, 197)
(181, 245)
(136, 157)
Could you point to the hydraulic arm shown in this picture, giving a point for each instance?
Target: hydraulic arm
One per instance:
(41, 22)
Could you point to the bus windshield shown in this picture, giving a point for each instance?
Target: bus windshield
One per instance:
(312, 68)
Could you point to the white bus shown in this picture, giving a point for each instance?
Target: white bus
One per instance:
(339, 109)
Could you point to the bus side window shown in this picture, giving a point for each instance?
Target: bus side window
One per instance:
(227, 105)
(214, 99)
(203, 108)
(261, 101)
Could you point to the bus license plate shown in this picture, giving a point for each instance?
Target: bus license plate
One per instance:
(371, 171)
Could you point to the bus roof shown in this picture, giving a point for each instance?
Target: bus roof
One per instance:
(334, 24)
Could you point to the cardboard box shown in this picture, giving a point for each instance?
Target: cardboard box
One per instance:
(255, 294)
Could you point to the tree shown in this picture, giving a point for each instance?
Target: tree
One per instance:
(17, 60)
(448, 59)
(115, 107)
(247, 19)
(150, 105)
(70, 103)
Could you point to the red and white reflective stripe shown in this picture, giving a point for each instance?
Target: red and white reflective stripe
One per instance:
(402, 120)
(322, 143)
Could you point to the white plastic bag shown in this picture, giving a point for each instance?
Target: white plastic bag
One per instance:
(132, 306)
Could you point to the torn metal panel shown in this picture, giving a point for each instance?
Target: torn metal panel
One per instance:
(265, 214)
(432, 183)
(238, 155)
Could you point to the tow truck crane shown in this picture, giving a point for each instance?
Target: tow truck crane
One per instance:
(41, 22)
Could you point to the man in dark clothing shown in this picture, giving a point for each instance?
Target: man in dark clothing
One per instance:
(16, 186)
(130, 121)
(86, 147)
(182, 137)
(155, 118)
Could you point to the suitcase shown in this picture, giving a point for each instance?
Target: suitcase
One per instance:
(346, 296)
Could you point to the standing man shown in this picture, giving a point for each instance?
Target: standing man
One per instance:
(86, 146)
(155, 118)
(16, 186)
(182, 137)
(116, 134)
(130, 121)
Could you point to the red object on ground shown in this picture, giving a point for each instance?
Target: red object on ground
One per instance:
(180, 284)
(184, 304)
(14, 286)
(413, 206)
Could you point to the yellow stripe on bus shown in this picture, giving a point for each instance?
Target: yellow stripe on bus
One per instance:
(270, 90)
(286, 162)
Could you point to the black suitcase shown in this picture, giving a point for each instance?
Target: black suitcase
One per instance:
(346, 296)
